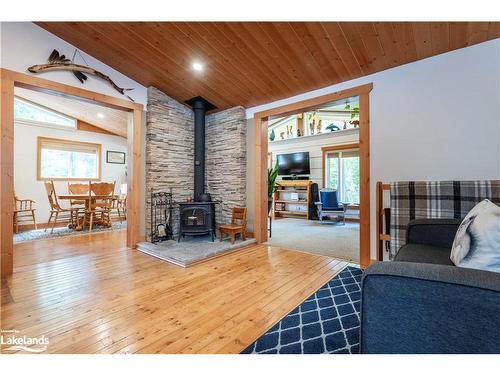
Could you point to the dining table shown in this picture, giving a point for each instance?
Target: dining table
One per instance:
(88, 199)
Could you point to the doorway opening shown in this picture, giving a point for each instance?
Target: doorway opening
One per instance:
(341, 172)
(315, 205)
(69, 167)
(12, 80)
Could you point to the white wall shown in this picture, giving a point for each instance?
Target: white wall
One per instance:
(26, 184)
(434, 119)
(313, 145)
(24, 44)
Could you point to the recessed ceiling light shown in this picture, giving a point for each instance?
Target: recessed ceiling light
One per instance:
(197, 66)
(100, 115)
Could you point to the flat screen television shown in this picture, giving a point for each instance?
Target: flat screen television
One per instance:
(293, 164)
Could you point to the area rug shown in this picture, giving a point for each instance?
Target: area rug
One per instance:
(40, 234)
(191, 250)
(326, 322)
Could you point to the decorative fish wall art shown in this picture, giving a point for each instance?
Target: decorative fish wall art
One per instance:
(57, 62)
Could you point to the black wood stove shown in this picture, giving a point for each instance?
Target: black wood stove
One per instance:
(198, 217)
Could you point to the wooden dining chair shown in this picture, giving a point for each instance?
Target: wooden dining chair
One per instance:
(120, 206)
(238, 224)
(100, 207)
(58, 213)
(78, 189)
(23, 212)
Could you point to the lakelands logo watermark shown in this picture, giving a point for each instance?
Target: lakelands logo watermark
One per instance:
(13, 341)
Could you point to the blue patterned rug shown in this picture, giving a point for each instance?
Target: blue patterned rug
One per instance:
(326, 322)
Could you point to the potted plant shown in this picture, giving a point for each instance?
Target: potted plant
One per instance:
(272, 174)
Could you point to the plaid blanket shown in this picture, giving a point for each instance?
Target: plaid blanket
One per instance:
(434, 199)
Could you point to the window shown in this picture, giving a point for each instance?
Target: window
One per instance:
(26, 111)
(284, 128)
(342, 174)
(60, 159)
(337, 116)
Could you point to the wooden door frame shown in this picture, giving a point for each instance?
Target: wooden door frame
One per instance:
(9, 80)
(261, 143)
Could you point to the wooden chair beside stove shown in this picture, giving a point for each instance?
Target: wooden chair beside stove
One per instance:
(238, 224)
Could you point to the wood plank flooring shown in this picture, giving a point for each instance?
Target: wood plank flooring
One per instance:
(90, 294)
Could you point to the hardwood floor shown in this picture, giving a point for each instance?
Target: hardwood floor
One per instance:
(90, 294)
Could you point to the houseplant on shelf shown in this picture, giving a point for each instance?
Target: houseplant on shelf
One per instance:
(272, 174)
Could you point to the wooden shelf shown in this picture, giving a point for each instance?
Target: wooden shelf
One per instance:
(302, 187)
(298, 213)
(292, 202)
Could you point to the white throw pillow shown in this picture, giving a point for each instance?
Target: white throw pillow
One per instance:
(477, 242)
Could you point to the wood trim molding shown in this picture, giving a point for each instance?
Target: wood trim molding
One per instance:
(364, 183)
(7, 173)
(261, 198)
(10, 79)
(134, 177)
(309, 104)
(56, 88)
(326, 149)
(39, 142)
(85, 126)
(261, 144)
(344, 146)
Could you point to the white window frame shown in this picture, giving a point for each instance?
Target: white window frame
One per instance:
(280, 123)
(44, 123)
(65, 142)
(340, 168)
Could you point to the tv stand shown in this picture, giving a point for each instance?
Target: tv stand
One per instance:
(292, 198)
(295, 177)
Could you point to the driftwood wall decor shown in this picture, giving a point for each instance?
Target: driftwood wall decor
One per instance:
(57, 62)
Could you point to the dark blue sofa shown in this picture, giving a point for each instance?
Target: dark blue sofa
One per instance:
(422, 303)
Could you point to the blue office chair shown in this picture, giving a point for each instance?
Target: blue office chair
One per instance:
(330, 206)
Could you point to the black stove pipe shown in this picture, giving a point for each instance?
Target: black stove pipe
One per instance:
(200, 107)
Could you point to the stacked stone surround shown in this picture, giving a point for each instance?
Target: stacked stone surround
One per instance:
(169, 150)
(226, 163)
(170, 155)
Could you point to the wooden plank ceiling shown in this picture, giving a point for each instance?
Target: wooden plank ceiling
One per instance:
(251, 63)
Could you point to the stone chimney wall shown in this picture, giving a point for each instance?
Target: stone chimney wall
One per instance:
(170, 155)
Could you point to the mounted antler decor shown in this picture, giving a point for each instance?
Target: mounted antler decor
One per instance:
(58, 62)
